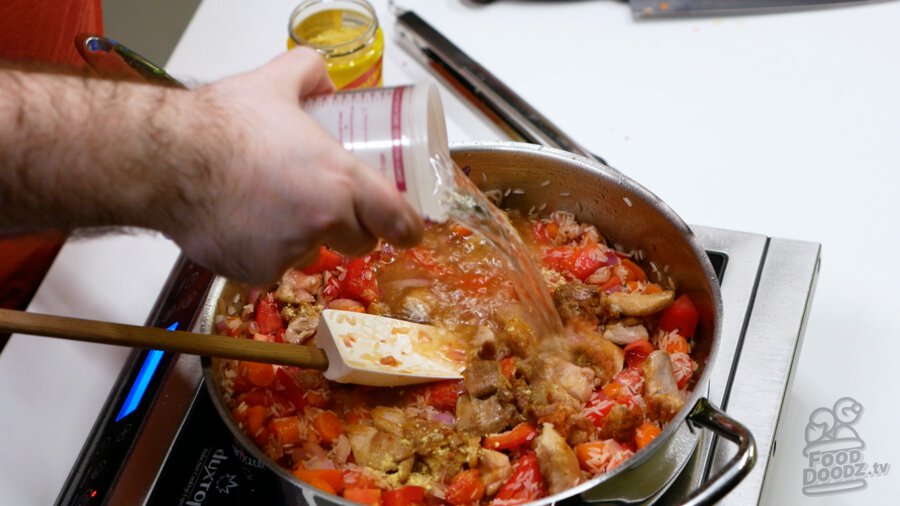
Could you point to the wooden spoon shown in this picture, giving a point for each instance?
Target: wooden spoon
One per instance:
(355, 347)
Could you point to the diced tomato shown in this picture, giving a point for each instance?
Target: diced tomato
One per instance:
(518, 436)
(328, 480)
(636, 352)
(682, 315)
(408, 495)
(368, 496)
(359, 281)
(259, 374)
(328, 425)
(291, 390)
(326, 261)
(286, 430)
(579, 261)
(524, 484)
(545, 231)
(645, 434)
(268, 319)
(331, 289)
(465, 488)
(597, 407)
(443, 394)
(635, 273)
(631, 379)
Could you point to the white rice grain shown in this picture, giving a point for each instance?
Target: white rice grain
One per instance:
(545, 183)
(627, 201)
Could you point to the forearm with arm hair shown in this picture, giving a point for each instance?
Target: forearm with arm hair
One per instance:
(83, 152)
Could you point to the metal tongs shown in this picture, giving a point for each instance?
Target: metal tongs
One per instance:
(502, 106)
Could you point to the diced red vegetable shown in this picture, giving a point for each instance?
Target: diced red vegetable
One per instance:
(408, 495)
(636, 352)
(443, 394)
(328, 480)
(368, 496)
(286, 430)
(520, 435)
(259, 374)
(328, 425)
(465, 488)
(359, 281)
(646, 433)
(326, 261)
(291, 390)
(525, 483)
(580, 261)
(682, 315)
(268, 319)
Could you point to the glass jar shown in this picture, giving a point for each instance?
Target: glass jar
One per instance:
(346, 34)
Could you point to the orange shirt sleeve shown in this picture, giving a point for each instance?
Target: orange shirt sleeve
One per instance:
(38, 31)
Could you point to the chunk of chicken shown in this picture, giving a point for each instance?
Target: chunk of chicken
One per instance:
(622, 334)
(555, 380)
(590, 349)
(297, 287)
(639, 304)
(493, 469)
(558, 463)
(482, 378)
(379, 450)
(303, 324)
(418, 305)
(621, 422)
(477, 416)
(578, 301)
(660, 387)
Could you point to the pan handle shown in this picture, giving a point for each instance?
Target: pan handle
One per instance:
(705, 415)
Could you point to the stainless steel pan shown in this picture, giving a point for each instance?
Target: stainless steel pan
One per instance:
(629, 215)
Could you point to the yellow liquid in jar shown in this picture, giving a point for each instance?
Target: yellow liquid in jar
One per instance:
(352, 60)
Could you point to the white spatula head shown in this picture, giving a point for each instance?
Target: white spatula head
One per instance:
(374, 350)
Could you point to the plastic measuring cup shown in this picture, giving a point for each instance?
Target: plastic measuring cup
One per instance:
(400, 132)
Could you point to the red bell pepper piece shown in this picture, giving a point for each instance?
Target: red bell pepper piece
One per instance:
(443, 394)
(682, 316)
(326, 261)
(408, 495)
(359, 281)
(465, 488)
(636, 352)
(519, 436)
(525, 484)
(268, 318)
(291, 390)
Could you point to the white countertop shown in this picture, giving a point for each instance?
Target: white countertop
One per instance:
(785, 125)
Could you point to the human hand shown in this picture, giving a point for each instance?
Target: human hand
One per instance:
(273, 185)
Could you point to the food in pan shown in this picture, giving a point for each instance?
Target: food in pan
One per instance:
(534, 415)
